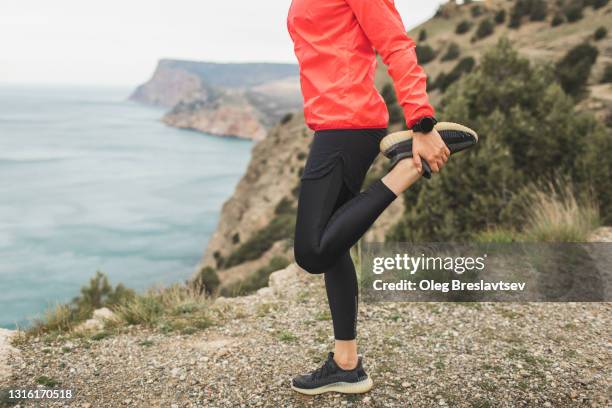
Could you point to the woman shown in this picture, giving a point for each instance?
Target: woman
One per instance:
(334, 43)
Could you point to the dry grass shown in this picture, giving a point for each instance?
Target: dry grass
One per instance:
(557, 215)
(56, 319)
(176, 307)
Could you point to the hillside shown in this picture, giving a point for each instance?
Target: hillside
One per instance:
(255, 224)
(538, 40)
(242, 100)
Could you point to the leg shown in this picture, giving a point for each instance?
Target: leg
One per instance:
(322, 235)
(342, 295)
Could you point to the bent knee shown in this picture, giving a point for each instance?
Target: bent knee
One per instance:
(308, 259)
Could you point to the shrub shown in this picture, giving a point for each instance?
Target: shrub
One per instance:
(286, 118)
(515, 20)
(573, 11)
(485, 29)
(425, 53)
(535, 9)
(500, 16)
(597, 4)
(607, 75)
(529, 132)
(476, 11)
(207, 280)
(97, 294)
(557, 20)
(464, 66)
(600, 33)
(422, 35)
(256, 280)
(574, 69)
(452, 52)
(538, 10)
(396, 114)
(463, 27)
(556, 215)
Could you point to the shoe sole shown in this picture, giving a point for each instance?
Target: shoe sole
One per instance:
(457, 137)
(342, 387)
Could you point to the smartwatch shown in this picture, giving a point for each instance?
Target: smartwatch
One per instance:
(424, 125)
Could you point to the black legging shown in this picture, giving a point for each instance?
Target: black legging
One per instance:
(330, 220)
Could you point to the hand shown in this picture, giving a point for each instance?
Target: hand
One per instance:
(430, 147)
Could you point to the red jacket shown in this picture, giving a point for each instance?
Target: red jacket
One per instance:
(334, 42)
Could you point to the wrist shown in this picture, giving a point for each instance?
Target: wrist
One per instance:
(424, 125)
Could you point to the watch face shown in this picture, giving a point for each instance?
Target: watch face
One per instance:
(427, 125)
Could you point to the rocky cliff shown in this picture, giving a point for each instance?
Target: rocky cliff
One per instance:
(242, 100)
(271, 179)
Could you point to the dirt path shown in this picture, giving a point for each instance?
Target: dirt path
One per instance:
(421, 355)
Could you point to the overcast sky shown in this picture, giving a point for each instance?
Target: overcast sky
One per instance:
(119, 41)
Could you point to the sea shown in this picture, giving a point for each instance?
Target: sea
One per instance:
(90, 181)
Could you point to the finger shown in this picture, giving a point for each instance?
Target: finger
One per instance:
(448, 152)
(442, 156)
(441, 164)
(417, 162)
(434, 166)
(445, 157)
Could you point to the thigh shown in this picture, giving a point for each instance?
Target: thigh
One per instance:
(318, 199)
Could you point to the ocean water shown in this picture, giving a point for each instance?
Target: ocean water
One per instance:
(90, 181)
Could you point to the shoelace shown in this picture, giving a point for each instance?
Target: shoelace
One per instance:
(325, 369)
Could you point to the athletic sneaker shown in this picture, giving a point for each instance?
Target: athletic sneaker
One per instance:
(330, 377)
(398, 145)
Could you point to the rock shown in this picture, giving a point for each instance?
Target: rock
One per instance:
(229, 117)
(6, 351)
(265, 292)
(103, 314)
(96, 323)
(281, 281)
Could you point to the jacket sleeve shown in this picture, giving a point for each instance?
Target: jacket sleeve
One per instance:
(382, 24)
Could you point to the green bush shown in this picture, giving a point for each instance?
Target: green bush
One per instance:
(463, 27)
(515, 20)
(485, 29)
(444, 80)
(286, 118)
(425, 53)
(256, 280)
(573, 11)
(600, 3)
(597, 4)
(600, 33)
(99, 293)
(574, 69)
(607, 75)
(476, 11)
(207, 280)
(396, 114)
(452, 52)
(557, 20)
(500, 16)
(538, 10)
(529, 131)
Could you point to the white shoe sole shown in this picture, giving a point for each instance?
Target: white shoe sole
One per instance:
(342, 387)
(390, 140)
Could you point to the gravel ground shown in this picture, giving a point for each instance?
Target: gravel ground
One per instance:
(418, 354)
